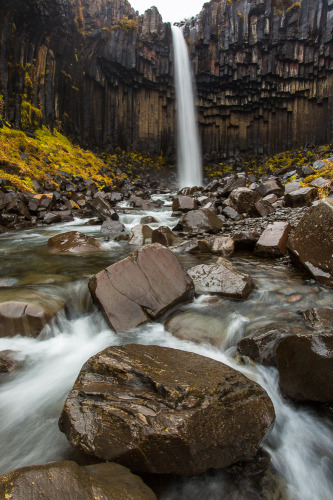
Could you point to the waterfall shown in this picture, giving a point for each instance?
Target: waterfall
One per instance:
(188, 151)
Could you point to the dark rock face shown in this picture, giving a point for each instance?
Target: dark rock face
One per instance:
(312, 241)
(73, 242)
(273, 241)
(60, 480)
(26, 313)
(100, 69)
(305, 365)
(245, 240)
(161, 410)
(141, 287)
(221, 279)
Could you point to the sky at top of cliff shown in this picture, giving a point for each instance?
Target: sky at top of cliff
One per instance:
(170, 10)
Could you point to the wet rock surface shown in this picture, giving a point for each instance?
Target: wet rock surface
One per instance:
(24, 312)
(312, 241)
(162, 410)
(221, 279)
(9, 361)
(261, 345)
(61, 480)
(73, 242)
(305, 365)
(190, 325)
(319, 318)
(141, 287)
(110, 226)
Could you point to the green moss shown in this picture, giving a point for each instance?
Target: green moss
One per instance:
(31, 117)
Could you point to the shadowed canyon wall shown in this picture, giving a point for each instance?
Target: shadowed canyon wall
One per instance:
(263, 68)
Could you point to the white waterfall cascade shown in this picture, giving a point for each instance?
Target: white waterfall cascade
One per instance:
(188, 150)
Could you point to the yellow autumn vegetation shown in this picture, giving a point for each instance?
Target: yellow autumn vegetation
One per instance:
(51, 153)
(48, 153)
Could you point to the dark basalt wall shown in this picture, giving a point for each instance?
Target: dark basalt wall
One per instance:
(264, 72)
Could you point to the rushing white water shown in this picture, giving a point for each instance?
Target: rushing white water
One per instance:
(31, 400)
(188, 149)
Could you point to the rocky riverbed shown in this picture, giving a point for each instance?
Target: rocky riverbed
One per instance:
(205, 279)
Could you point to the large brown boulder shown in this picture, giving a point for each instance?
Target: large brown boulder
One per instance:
(305, 364)
(312, 241)
(73, 242)
(274, 240)
(161, 410)
(200, 221)
(141, 287)
(24, 312)
(67, 480)
(221, 279)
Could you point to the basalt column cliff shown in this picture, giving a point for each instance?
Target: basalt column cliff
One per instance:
(104, 74)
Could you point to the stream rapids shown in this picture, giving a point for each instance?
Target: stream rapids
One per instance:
(301, 442)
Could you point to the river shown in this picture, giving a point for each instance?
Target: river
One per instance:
(31, 399)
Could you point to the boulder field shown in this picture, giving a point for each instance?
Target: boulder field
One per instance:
(160, 410)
